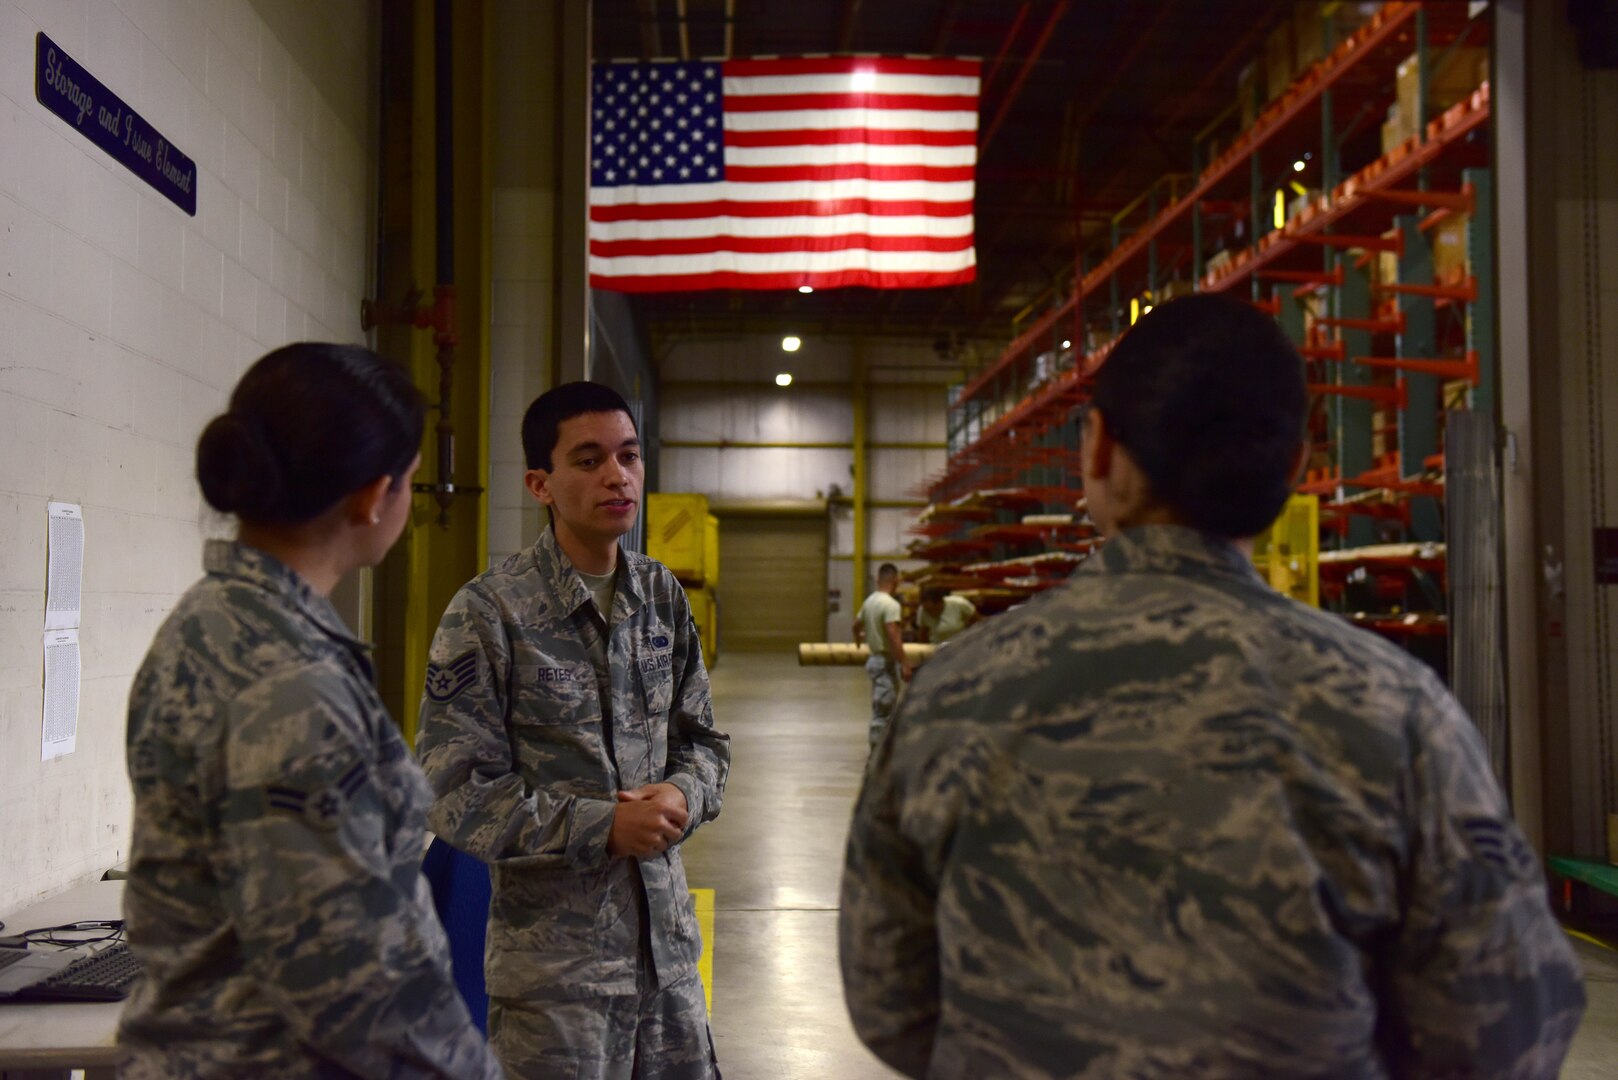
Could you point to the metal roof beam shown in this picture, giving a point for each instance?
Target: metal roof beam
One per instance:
(1057, 11)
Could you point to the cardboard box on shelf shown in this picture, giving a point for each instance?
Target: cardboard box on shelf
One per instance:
(1280, 60)
(1312, 19)
(1387, 268)
(1394, 130)
(1249, 91)
(1457, 394)
(1297, 204)
(1220, 262)
(1176, 288)
(1449, 241)
(1455, 74)
(1384, 432)
(1308, 33)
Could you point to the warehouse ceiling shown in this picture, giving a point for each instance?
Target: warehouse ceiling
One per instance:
(1084, 106)
(1085, 103)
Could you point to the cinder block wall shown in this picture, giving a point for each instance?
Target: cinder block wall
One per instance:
(123, 325)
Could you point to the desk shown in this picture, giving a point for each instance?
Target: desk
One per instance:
(63, 1035)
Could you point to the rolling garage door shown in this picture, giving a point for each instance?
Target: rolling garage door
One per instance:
(772, 582)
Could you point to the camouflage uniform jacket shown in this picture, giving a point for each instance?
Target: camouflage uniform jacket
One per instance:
(1165, 822)
(526, 765)
(275, 893)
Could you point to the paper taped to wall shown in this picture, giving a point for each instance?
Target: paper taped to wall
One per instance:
(64, 570)
(60, 734)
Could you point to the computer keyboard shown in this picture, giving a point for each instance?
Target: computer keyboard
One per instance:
(105, 976)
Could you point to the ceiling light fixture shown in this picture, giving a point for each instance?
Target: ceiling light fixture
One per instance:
(1067, 344)
(806, 289)
(1297, 166)
(790, 343)
(784, 379)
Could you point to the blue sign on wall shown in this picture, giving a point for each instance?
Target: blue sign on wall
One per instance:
(101, 116)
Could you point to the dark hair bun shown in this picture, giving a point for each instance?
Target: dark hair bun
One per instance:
(236, 469)
(308, 425)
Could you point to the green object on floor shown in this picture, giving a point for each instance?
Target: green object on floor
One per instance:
(1596, 875)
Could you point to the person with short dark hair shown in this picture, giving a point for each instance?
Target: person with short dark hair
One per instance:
(275, 895)
(942, 615)
(567, 730)
(877, 626)
(1166, 822)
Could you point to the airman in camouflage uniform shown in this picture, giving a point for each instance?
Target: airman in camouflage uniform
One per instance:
(1164, 822)
(275, 894)
(536, 715)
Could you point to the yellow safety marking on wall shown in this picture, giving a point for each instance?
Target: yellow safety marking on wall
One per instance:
(702, 900)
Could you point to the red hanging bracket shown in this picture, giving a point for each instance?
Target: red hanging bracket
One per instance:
(1392, 396)
(1444, 369)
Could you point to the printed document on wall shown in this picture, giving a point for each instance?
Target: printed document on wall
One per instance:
(64, 566)
(61, 731)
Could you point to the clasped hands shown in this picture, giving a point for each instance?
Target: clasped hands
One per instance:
(647, 820)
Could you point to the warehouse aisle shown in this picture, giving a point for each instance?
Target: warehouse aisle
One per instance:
(773, 860)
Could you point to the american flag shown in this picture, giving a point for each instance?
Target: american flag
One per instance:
(773, 174)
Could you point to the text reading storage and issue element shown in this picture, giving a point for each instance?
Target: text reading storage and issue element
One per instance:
(79, 98)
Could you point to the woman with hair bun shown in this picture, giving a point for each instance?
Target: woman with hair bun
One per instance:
(1166, 822)
(275, 897)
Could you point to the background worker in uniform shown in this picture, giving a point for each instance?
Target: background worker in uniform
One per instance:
(275, 895)
(568, 734)
(1166, 822)
(877, 625)
(942, 616)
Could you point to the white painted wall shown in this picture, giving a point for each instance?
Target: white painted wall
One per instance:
(723, 390)
(523, 265)
(123, 325)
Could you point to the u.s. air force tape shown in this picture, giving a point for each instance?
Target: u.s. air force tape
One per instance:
(446, 682)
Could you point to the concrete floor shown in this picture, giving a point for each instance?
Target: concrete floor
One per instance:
(775, 855)
(774, 859)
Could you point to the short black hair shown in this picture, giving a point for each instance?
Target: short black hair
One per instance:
(933, 593)
(307, 425)
(543, 420)
(1210, 399)
(886, 570)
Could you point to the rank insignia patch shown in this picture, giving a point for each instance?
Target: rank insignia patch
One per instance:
(324, 808)
(446, 682)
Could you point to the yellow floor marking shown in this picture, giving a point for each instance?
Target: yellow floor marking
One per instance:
(702, 899)
(1571, 933)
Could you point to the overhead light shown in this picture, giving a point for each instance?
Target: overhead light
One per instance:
(1067, 344)
(784, 379)
(864, 80)
(806, 289)
(1134, 311)
(1298, 166)
(1147, 310)
(790, 343)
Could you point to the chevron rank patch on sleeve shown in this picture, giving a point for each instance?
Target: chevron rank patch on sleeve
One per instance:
(446, 682)
(322, 809)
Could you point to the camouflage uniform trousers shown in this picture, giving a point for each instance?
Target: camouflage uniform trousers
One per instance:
(658, 1034)
(884, 693)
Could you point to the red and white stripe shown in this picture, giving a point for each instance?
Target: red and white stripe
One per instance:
(838, 171)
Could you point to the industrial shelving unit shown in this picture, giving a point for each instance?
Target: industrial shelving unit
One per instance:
(1351, 268)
